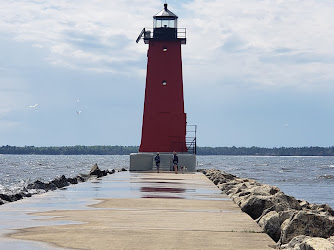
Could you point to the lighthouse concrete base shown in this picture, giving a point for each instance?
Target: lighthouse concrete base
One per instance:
(145, 162)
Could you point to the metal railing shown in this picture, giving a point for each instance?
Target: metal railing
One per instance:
(148, 33)
(181, 32)
(190, 141)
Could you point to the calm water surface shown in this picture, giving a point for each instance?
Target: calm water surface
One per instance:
(308, 178)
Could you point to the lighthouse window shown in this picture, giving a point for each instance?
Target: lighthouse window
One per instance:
(164, 83)
(172, 23)
(165, 23)
(158, 24)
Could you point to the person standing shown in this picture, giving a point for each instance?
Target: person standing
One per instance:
(175, 161)
(157, 161)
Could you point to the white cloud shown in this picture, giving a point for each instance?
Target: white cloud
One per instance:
(79, 34)
(235, 38)
(245, 39)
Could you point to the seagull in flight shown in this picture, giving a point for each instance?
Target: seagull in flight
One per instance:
(78, 112)
(33, 106)
(77, 100)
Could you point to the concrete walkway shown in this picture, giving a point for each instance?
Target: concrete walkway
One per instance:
(145, 211)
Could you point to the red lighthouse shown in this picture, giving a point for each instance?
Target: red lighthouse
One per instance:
(164, 121)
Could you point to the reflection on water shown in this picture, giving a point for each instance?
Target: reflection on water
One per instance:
(162, 189)
(162, 197)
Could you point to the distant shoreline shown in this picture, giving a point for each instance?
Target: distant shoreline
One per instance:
(126, 150)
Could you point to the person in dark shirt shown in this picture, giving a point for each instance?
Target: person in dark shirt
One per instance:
(175, 161)
(157, 161)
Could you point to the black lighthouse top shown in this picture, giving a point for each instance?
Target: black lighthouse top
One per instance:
(166, 12)
(164, 28)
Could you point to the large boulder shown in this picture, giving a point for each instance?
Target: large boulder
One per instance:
(307, 223)
(5, 197)
(304, 242)
(72, 180)
(316, 243)
(255, 205)
(323, 208)
(230, 187)
(111, 171)
(272, 221)
(252, 189)
(60, 182)
(12, 197)
(96, 171)
(217, 176)
(82, 177)
(42, 185)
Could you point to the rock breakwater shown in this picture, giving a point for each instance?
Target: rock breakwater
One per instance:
(292, 223)
(39, 187)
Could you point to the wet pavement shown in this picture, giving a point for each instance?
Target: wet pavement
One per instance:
(122, 195)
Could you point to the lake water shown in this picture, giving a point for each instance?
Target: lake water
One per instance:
(308, 178)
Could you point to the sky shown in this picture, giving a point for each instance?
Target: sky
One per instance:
(255, 72)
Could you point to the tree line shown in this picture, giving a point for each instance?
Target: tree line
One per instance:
(70, 150)
(282, 151)
(126, 150)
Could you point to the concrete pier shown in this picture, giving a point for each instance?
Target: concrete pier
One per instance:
(130, 210)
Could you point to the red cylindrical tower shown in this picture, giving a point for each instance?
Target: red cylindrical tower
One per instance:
(164, 120)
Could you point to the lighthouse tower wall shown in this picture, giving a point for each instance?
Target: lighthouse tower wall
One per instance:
(164, 120)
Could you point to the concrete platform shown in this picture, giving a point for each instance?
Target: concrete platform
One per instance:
(145, 161)
(138, 211)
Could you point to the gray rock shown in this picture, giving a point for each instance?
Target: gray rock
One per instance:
(294, 243)
(72, 180)
(111, 171)
(307, 223)
(41, 185)
(323, 208)
(5, 197)
(331, 239)
(13, 196)
(270, 224)
(304, 242)
(254, 189)
(60, 182)
(96, 171)
(82, 177)
(255, 205)
(304, 204)
(272, 221)
(316, 243)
